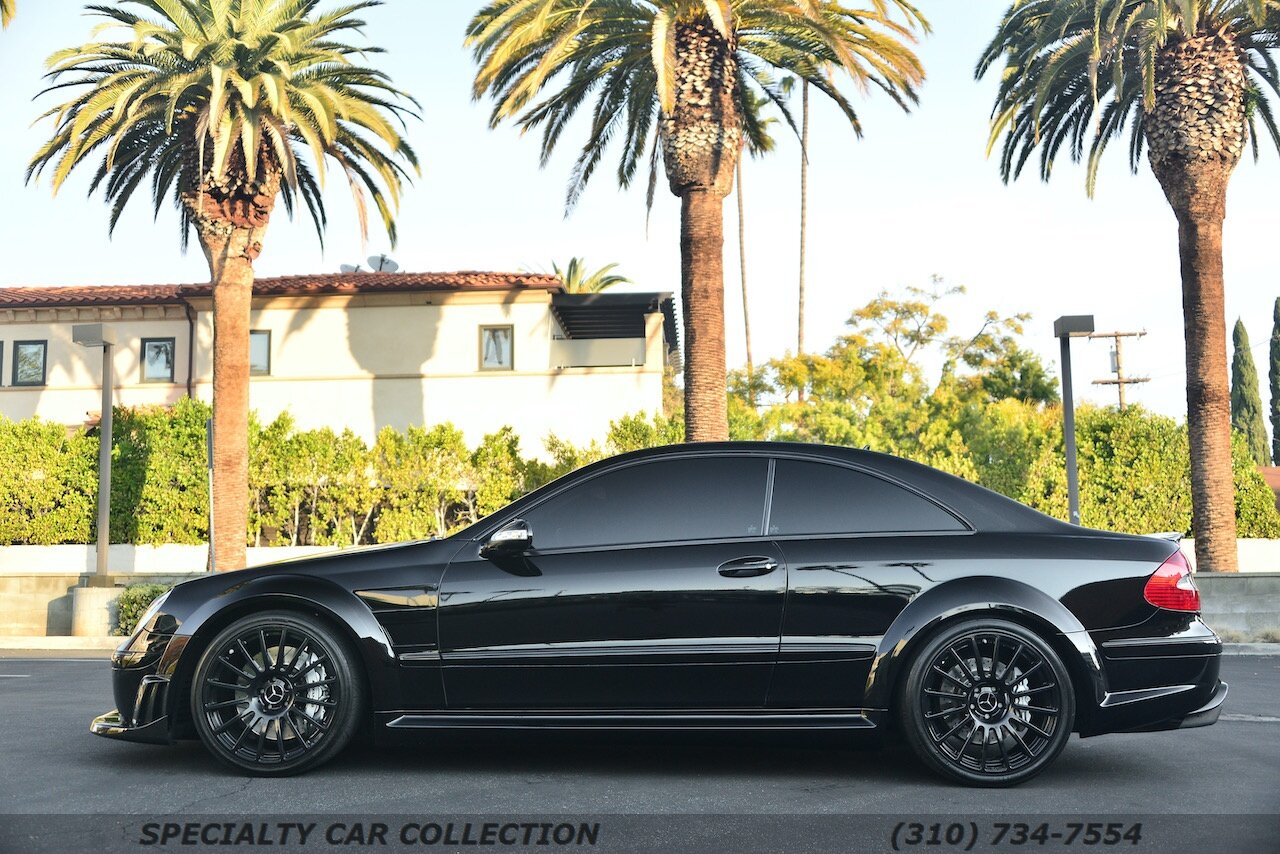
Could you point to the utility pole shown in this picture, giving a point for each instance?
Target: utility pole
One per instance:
(1117, 362)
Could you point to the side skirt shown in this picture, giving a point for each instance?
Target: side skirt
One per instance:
(633, 720)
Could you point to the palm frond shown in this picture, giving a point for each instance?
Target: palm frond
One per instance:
(1083, 72)
(227, 91)
(540, 62)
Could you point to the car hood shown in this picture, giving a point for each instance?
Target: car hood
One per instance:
(418, 552)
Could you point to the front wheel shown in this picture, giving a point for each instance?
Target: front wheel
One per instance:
(275, 694)
(987, 702)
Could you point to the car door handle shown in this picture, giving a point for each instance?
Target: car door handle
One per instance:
(747, 567)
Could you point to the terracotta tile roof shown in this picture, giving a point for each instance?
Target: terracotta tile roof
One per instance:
(319, 284)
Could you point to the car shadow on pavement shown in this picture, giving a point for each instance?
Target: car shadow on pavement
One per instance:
(779, 756)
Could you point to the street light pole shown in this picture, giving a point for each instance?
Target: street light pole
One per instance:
(100, 335)
(1064, 329)
(104, 462)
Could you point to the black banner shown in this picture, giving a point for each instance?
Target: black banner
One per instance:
(846, 834)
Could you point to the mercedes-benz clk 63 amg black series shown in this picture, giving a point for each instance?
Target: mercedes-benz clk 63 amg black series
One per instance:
(717, 586)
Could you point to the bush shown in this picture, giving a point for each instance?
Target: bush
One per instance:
(159, 479)
(48, 483)
(317, 487)
(1135, 476)
(133, 601)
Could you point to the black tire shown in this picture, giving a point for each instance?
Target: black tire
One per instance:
(989, 678)
(276, 694)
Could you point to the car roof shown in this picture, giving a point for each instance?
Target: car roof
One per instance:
(984, 509)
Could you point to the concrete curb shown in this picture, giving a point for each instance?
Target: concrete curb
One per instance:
(1251, 649)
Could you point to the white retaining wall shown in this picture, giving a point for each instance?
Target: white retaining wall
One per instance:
(130, 560)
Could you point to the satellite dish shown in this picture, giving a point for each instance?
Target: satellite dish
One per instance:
(348, 268)
(382, 264)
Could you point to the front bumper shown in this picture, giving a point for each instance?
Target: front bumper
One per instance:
(113, 725)
(141, 686)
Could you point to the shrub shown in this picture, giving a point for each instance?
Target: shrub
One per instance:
(159, 479)
(133, 601)
(48, 483)
(1135, 476)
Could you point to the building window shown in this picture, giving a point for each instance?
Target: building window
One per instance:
(496, 345)
(260, 352)
(158, 360)
(29, 361)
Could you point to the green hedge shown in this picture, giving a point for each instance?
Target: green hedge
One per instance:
(318, 487)
(133, 601)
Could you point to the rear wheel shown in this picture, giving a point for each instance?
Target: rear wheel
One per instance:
(275, 694)
(987, 702)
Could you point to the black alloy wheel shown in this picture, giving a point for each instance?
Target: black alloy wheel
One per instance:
(988, 703)
(275, 694)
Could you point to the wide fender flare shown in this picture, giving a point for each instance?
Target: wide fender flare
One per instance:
(308, 593)
(975, 595)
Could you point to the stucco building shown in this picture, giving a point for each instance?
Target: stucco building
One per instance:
(361, 350)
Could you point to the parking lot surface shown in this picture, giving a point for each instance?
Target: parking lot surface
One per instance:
(53, 765)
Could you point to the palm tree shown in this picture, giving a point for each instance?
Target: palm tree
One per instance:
(1183, 78)
(219, 102)
(668, 77)
(577, 280)
(7, 8)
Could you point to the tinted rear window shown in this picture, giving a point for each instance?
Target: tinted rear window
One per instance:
(665, 500)
(816, 498)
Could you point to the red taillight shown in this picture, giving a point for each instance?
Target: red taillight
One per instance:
(1172, 586)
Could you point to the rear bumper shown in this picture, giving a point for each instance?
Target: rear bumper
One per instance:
(113, 725)
(1207, 714)
(1168, 680)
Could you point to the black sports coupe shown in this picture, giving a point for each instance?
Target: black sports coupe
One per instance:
(713, 586)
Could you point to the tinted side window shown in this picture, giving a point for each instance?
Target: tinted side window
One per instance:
(816, 498)
(688, 499)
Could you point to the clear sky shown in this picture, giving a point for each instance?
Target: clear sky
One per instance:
(915, 197)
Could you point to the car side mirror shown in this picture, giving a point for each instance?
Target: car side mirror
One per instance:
(516, 537)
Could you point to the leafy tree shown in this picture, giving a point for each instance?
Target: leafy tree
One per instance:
(7, 9)
(1246, 399)
(220, 102)
(269, 463)
(1274, 377)
(423, 472)
(1183, 79)
(669, 77)
(577, 280)
(345, 507)
(1019, 375)
(500, 474)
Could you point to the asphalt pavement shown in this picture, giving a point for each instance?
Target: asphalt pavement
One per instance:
(53, 765)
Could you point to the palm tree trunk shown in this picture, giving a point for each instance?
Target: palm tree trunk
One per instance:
(231, 272)
(742, 268)
(1196, 130)
(702, 289)
(1200, 214)
(701, 140)
(804, 213)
